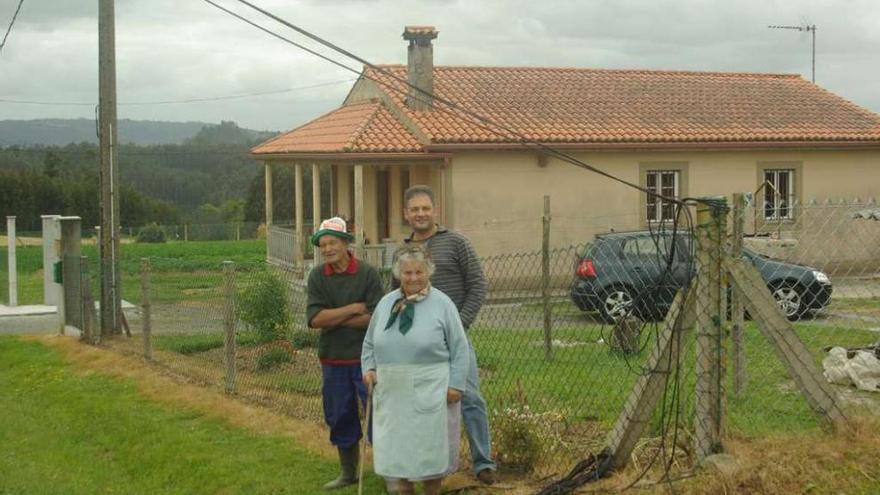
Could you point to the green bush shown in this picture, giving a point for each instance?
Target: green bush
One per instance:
(263, 307)
(523, 436)
(273, 358)
(152, 233)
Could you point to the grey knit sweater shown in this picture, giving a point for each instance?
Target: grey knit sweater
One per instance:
(458, 272)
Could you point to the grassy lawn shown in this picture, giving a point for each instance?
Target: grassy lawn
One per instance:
(74, 433)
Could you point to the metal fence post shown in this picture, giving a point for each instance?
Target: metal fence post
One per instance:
(229, 324)
(145, 309)
(545, 281)
(711, 216)
(737, 314)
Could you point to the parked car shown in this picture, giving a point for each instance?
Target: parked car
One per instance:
(626, 272)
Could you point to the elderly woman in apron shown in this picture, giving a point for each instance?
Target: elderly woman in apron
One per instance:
(415, 355)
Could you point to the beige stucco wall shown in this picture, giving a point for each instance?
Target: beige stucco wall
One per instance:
(497, 198)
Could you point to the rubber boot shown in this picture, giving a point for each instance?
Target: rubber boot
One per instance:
(348, 462)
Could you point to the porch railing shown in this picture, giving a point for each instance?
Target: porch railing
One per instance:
(281, 246)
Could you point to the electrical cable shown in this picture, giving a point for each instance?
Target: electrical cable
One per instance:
(594, 466)
(188, 100)
(484, 122)
(11, 23)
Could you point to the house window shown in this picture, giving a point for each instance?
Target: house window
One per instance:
(666, 184)
(778, 194)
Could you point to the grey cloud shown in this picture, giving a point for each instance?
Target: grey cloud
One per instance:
(181, 49)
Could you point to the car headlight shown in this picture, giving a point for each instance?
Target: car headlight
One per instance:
(821, 277)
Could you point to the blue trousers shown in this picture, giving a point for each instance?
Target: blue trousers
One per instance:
(341, 390)
(476, 420)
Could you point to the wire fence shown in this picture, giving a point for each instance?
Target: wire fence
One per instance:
(634, 340)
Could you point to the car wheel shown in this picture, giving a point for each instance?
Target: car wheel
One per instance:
(790, 299)
(617, 302)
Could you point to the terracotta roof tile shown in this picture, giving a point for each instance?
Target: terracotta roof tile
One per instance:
(360, 127)
(557, 105)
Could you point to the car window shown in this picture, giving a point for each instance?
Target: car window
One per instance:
(631, 248)
(647, 247)
(683, 247)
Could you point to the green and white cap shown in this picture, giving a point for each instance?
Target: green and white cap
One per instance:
(332, 226)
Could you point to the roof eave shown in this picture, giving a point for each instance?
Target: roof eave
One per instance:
(659, 146)
(359, 156)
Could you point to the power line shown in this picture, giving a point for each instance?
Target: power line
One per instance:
(599, 468)
(188, 100)
(10, 24)
(476, 118)
(122, 152)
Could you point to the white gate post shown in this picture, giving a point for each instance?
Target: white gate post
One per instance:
(13, 273)
(51, 255)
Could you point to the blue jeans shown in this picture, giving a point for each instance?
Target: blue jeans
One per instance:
(476, 420)
(342, 388)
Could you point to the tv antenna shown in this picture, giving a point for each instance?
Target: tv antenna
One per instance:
(810, 28)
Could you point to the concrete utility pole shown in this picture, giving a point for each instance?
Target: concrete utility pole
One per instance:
(111, 301)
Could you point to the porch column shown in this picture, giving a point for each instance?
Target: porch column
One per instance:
(298, 208)
(359, 208)
(316, 204)
(334, 203)
(395, 203)
(270, 204)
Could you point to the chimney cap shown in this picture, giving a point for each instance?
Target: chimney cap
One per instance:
(419, 32)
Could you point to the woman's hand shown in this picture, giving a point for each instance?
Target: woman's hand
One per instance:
(369, 378)
(453, 395)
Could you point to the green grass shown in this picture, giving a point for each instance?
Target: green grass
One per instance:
(190, 271)
(588, 381)
(83, 434)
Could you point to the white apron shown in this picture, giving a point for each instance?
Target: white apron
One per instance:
(411, 430)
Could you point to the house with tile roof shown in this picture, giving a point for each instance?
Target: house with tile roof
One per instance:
(679, 133)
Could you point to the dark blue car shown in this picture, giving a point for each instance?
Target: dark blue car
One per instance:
(626, 272)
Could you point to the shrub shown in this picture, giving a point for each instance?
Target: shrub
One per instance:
(151, 233)
(263, 307)
(523, 436)
(273, 358)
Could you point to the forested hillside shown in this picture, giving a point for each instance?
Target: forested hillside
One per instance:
(206, 179)
(60, 132)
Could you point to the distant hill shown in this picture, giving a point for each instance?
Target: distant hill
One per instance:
(59, 132)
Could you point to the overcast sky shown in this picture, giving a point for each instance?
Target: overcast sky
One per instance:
(186, 49)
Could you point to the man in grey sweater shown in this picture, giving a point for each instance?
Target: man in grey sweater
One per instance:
(458, 274)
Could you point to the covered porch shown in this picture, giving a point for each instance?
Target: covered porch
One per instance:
(370, 158)
(369, 196)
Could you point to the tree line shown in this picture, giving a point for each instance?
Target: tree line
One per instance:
(205, 180)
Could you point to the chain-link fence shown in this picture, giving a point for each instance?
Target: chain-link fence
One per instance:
(821, 264)
(635, 341)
